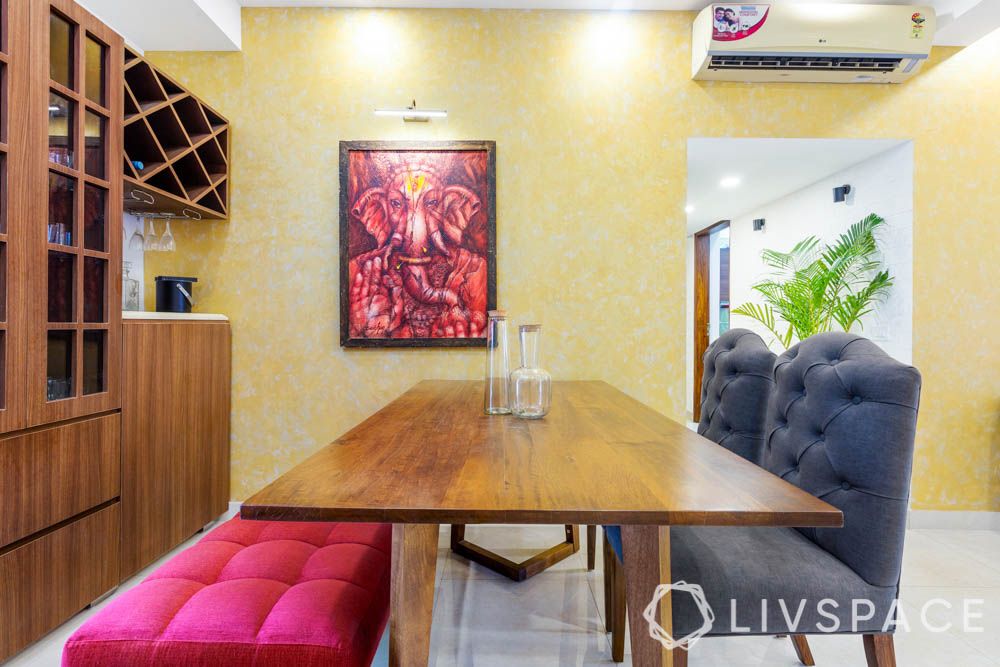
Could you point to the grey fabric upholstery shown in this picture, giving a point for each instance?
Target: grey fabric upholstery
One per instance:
(753, 564)
(841, 424)
(734, 390)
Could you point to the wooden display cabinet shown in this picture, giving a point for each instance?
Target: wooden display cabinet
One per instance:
(60, 314)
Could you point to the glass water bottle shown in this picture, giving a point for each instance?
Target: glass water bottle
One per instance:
(496, 400)
(530, 385)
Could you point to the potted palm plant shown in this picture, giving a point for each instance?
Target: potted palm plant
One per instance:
(814, 289)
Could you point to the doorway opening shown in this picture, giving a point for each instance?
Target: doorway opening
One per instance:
(750, 198)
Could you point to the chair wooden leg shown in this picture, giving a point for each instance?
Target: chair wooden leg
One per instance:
(591, 547)
(879, 650)
(801, 645)
(680, 658)
(618, 608)
(608, 574)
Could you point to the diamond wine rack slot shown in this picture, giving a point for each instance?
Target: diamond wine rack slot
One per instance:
(176, 147)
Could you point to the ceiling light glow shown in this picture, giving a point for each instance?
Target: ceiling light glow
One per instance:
(730, 182)
(610, 40)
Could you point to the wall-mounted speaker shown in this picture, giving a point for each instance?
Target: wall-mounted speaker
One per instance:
(840, 194)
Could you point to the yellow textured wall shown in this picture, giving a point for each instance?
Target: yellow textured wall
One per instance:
(591, 114)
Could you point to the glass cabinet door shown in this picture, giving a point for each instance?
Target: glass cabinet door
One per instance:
(74, 371)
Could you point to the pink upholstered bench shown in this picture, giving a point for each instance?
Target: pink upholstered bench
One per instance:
(256, 593)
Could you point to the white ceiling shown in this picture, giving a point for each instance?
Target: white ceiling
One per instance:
(172, 25)
(768, 169)
(960, 22)
(214, 25)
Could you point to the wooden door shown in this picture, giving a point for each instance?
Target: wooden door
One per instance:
(702, 318)
(74, 242)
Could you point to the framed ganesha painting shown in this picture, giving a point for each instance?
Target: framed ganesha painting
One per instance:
(417, 243)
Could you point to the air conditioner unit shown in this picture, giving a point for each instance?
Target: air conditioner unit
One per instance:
(823, 43)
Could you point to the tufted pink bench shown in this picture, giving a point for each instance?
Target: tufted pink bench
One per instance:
(256, 593)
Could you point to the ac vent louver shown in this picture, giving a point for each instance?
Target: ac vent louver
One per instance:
(805, 63)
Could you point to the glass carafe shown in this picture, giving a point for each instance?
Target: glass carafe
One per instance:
(496, 400)
(530, 385)
(130, 290)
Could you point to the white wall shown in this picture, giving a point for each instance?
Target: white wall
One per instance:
(132, 223)
(882, 184)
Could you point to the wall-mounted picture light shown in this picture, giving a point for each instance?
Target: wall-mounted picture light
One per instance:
(840, 194)
(412, 114)
(758, 224)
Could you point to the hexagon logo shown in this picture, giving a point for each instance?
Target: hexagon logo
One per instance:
(657, 632)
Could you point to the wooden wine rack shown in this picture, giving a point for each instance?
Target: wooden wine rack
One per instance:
(176, 147)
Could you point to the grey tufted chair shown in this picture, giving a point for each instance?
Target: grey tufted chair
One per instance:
(840, 424)
(734, 391)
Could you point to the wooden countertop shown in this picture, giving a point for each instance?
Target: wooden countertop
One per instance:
(152, 315)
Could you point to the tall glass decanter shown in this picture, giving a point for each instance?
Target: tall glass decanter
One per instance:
(530, 385)
(130, 290)
(496, 400)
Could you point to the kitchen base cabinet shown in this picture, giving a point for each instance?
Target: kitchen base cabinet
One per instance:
(48, 579)
(175, 434)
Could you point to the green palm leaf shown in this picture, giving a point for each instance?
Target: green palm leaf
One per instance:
(811, 288)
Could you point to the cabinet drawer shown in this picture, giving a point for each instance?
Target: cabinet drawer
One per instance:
(47, 580)
(52, 474)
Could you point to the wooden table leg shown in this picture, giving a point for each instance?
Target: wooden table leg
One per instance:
(646, 557)
(411, 593)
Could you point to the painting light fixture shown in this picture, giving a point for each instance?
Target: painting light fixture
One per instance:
(412, 114)
(840, 194)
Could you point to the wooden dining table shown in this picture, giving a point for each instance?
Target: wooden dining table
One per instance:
(432, 457)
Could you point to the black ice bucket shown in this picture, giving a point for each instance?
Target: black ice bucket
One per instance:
(174, 294)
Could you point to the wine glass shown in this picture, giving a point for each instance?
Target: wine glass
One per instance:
(152, 242)
(167, 242)
(137, 242)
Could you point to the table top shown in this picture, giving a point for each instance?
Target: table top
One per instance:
(600, 456)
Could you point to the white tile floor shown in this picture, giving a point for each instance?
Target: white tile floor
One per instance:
(481, 619)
